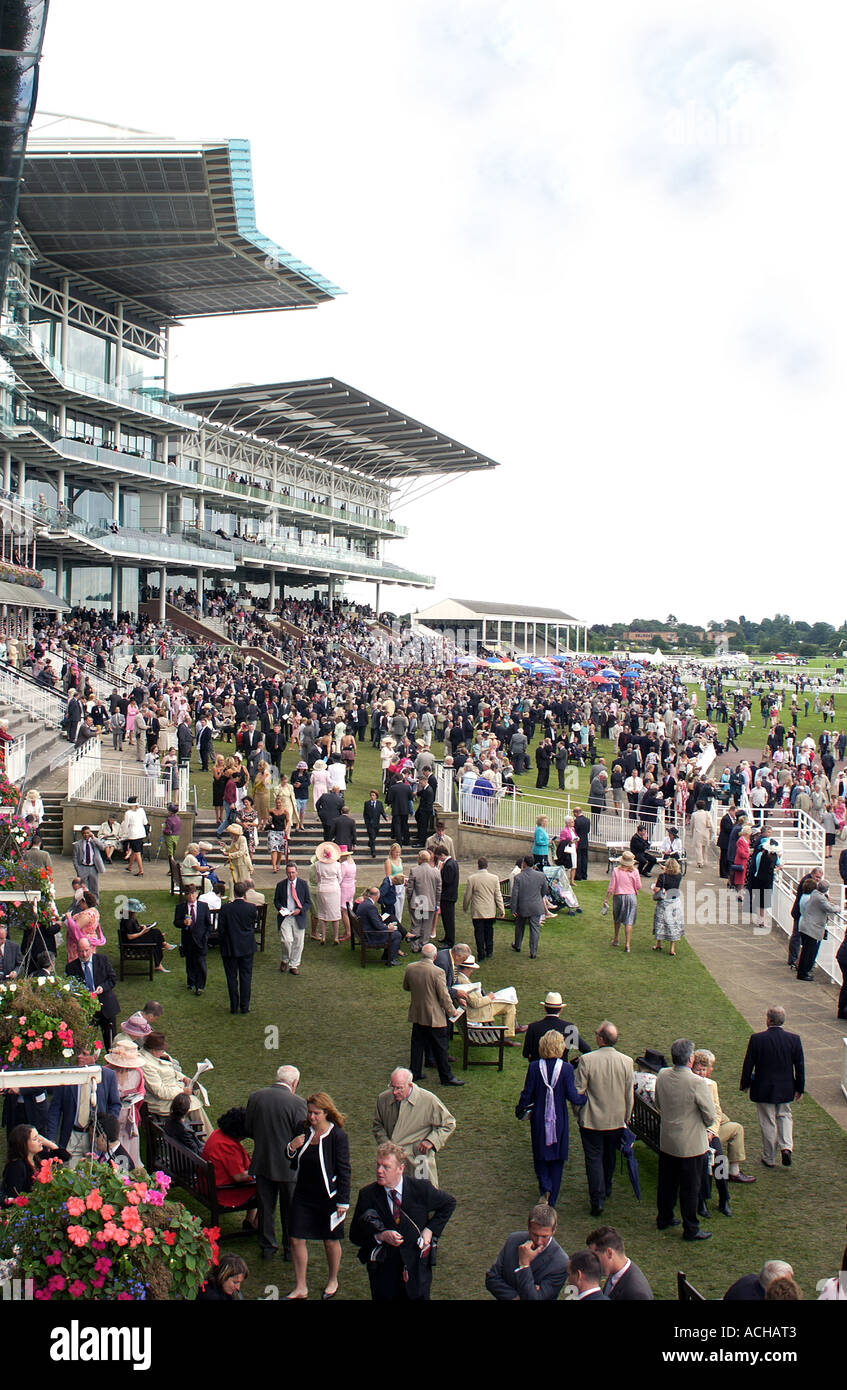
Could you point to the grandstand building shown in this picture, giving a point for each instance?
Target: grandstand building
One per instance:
(127, 490)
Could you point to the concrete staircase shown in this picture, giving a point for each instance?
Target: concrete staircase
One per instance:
(46, 746)
(51, 826)
(303, 844)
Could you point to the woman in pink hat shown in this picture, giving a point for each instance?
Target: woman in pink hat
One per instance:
(327, 877)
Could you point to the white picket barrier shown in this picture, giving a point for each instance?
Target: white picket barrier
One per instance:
(31, 698)
(784, 892)
(84, 768)
(16, 759)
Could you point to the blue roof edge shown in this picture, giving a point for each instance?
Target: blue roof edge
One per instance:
(245, 215)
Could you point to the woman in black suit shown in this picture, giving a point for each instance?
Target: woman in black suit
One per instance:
(26, 1149)
(321, 1158)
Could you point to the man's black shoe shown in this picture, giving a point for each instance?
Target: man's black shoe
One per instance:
(268, 1254)
(664, 1225)
(786, 1158)
(699, 1235)
(422, 1077)
(596, 1211)
(703, 1212)
(516, 948)
(453, 1081)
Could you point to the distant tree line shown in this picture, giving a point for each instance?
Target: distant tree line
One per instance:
(777, 634)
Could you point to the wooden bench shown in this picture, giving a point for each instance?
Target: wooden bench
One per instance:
(357, 940)
(685, 1292)
(646, 1123)
(260, 928)
(147, 851)
(143, 951)
(192, 1173)
(481, 1035)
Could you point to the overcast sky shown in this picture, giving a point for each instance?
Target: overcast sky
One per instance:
(603, 244)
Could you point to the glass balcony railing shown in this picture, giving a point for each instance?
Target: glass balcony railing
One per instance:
(18, 338)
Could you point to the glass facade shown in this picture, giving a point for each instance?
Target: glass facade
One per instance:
(88, 353)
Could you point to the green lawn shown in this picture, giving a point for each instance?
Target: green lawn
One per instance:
(346, 1029)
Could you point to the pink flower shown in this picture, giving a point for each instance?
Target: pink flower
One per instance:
(156, 1199)
(162, 1180)
(107, 1211)
(56, 1283)
(121, 1236)
(76, 1206)
(103, 1265)
(98, 1281)
(22, 1019)
(149, 1235)
(124, 1297)
(136, 1240)
(43, 1294)
(54, 1259)
(78, 1235)
(94, 1200)
(130, 1219)
(77, 1288)
(48, 1035)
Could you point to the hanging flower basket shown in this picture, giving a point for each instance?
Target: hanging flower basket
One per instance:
(45, 1021)
(95, 1234)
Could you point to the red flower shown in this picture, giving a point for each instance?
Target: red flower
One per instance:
(169, 1237)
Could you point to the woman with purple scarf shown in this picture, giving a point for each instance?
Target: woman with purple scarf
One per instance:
(548, 1087)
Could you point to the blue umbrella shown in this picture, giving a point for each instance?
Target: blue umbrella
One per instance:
(627, 1141)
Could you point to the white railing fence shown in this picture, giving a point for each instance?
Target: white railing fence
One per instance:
(31, 698)
(16, 759)
(784, 891)
(83, 770)
(183, 788)
(519, 816)
(101, 685)
(445, 793)
(115, 786)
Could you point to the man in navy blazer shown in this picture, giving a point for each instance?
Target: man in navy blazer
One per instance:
(193, 920)
(375, 931)
(774, 1072)
(625, 1282)
(292, 900)
(63, 1113)
(584, 1275)
(237, 931)
(531, 1267)
(396, 1225)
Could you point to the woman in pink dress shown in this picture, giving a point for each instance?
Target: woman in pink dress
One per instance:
(319, 780)
(124, 1060)
(84, 922)
(624, 886)
(348, 892)
(131, 712)
(738, 870)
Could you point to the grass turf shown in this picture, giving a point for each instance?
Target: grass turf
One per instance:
(346, 1029)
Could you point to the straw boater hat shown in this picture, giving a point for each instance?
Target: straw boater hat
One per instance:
(124, 1054)
(327, 853)
(627, 859)
(235, 830)
(554, 1000)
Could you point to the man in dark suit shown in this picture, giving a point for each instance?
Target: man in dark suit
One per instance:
(582, 830)
(292, 900)
(344, 830)
(585, 1273)
(237, 932)
(400, 799)
(625, 1282)
(10, 957)
(69, 1106)
(328, 808)
(73, 715)
(531, 1267)
(553, 1006)
(528, 893)
(194, 922)
(449, 870)
(274, 1115)
(205, 744)
(373, 812)
(98, 974)
(424, 813)
(396, 1225)
(375, 931)
(774, 1072)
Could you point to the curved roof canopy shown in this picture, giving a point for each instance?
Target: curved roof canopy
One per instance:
(170, 224)
(333, 421)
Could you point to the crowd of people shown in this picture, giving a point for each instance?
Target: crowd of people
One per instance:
(317, 712)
